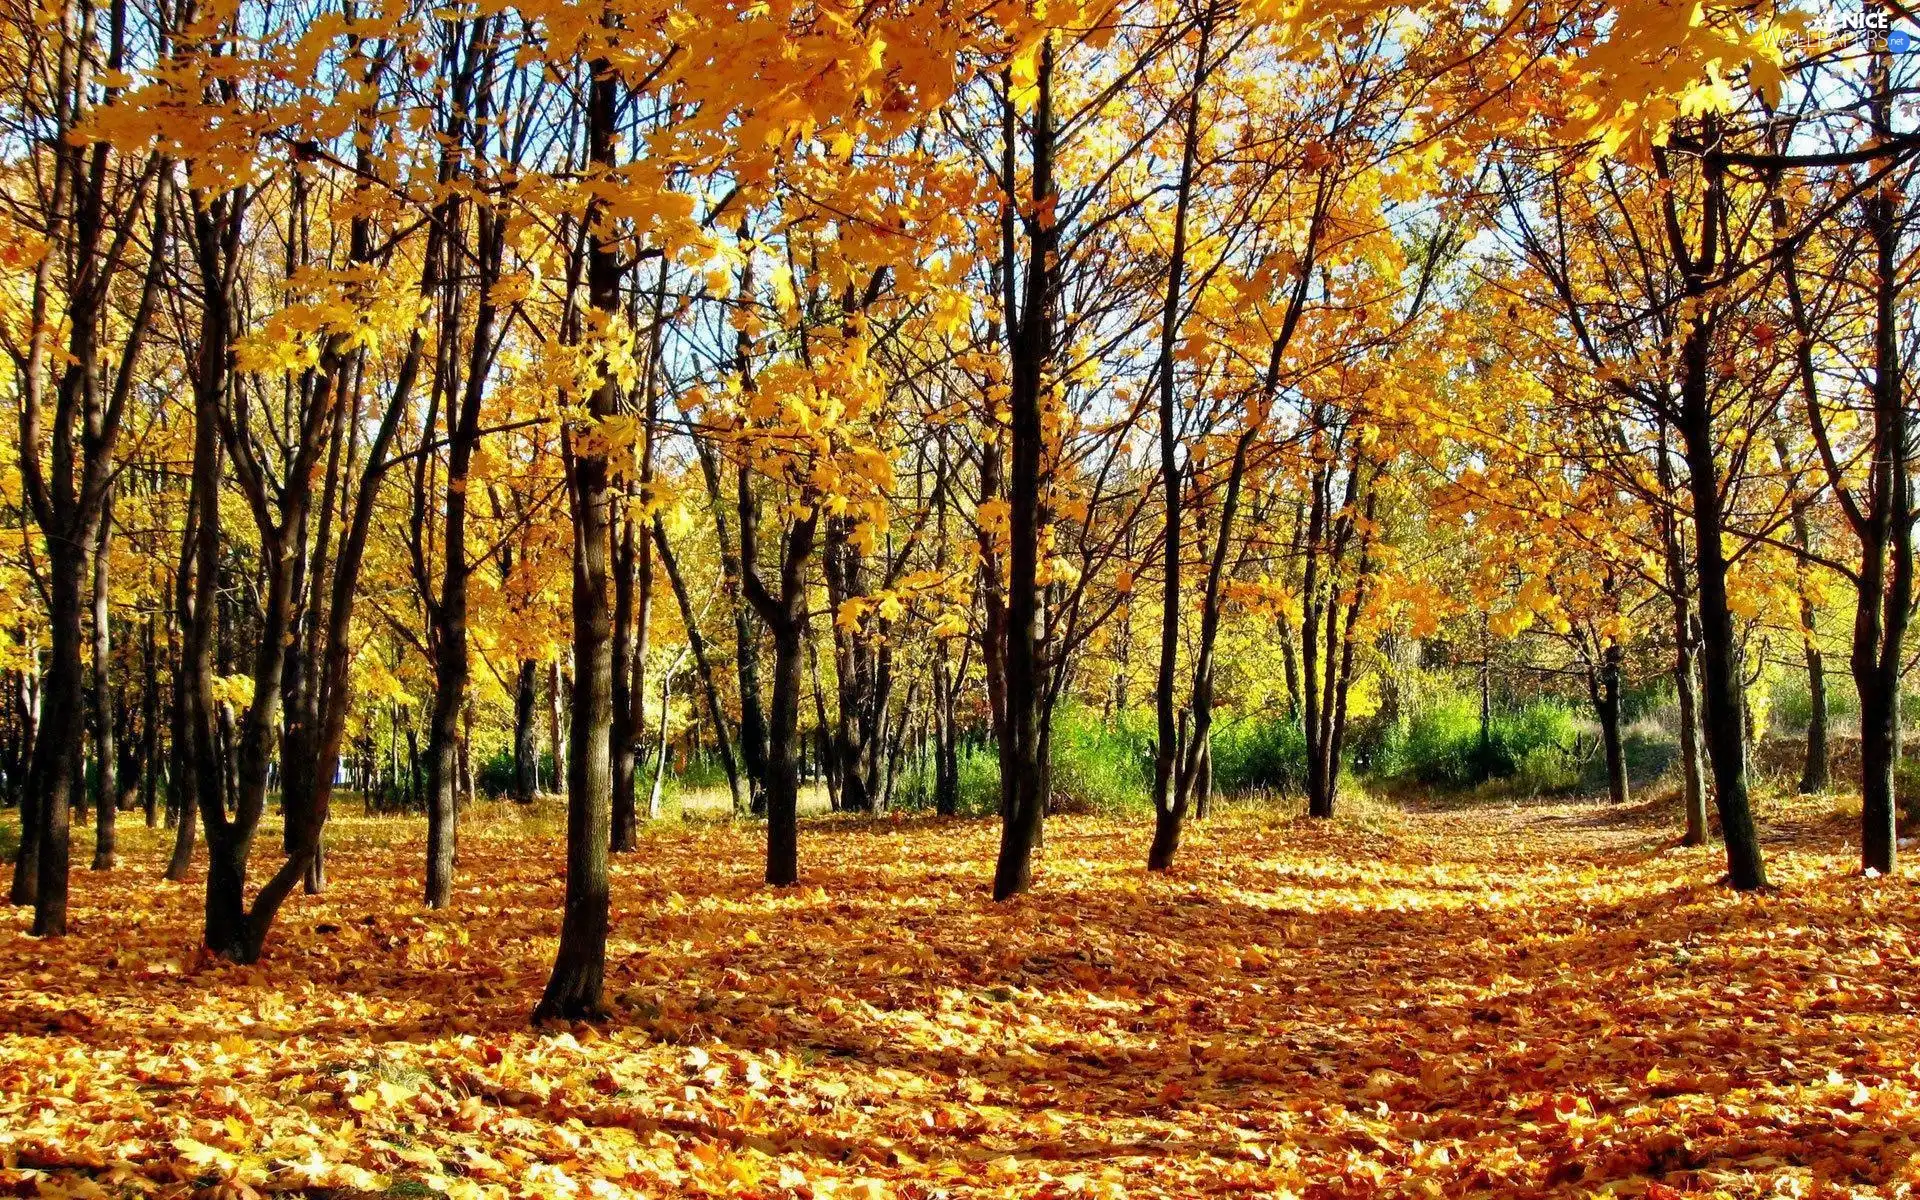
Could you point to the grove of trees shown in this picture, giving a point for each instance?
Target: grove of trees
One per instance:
(834, 393)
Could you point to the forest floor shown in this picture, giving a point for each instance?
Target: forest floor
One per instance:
(1503, 1001)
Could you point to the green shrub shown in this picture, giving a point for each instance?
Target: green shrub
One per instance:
(702, 771)
(1543, 723)
(1650, 752)
(1792, 706)
(1098, 766)
(1438, 744)
(1906, 790)
(1102, 766)
(1441, 745)
(979, 782)
(1547, 770)
(1645, 699)
(1259, 755)
(495, 777)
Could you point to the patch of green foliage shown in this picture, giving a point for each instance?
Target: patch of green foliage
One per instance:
(1443, 744)
(1103, 766)
(1259, 754)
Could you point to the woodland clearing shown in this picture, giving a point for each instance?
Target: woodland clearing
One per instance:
(1544, 999)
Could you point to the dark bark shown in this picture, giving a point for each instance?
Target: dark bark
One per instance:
(785, 615)
(824, 759)
(54, 776)
(574, 990)
(556, 743)
(1685, 640)
(150, 719)
(448, 617)
(863, 672)
(21, 703)
(1884, 528)
(1879, 513)
(100, 698)
(783, 766)
(182, 789)
(1722, 718)
(946, 737)
(753, 721)
(416, 781)
(623, 823)
(1326, 625)
(633, 593)
(316, 737)
(1169, 799)
(1815, 772)
(1023, 745)
(1603, 687)
(26, 856)
(66, 449)
(746, 645)
(946, 681)
(280, 509)
(526, 743)
(661, 753)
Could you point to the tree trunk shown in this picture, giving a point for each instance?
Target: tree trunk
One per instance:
(67, 495)
(1693, 784)
(443, 728)
(56, 759)
(1693, 781)
(624, 736)
(182, 789)
(1885, 582)
(946, 737)
(26, 856)
(150, 720)
(556, 743)
(106, 789)
(1722, 720)
(451, 667)
(416, 781)
(746, 647)
(785, 614)
(1170, 799)
(783, 766)
(574, 990)
(1815, 774)
(855, 674)
(655, 807)
(1721, 692)
(1603, 684)
(449, 696)
(824, 758)
(1023, 746)
(526, 745)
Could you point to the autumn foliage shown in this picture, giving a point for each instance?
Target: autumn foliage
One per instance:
(1520, 1002)
(898, 598)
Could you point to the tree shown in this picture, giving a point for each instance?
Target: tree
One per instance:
(84, 218)
(574, 989)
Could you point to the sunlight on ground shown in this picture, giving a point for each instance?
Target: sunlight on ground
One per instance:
(1506, 1001)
